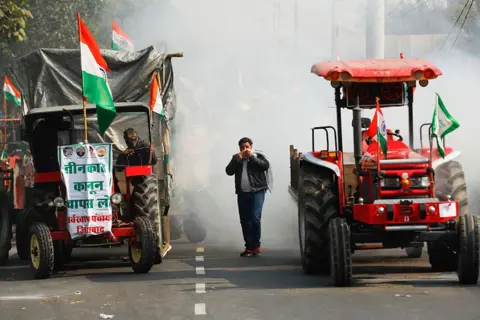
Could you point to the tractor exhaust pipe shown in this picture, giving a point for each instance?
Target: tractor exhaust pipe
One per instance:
(357, 131)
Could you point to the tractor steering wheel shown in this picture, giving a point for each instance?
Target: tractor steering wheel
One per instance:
(400, 138)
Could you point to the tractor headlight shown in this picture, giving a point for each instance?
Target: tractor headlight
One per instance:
(58, 202)
(390, 182)
(419, 182)
(116, 198)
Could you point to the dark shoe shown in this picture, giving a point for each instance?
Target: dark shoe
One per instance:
(256, 252)
(246, 253)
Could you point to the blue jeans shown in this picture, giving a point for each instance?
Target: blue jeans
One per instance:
(250, 205)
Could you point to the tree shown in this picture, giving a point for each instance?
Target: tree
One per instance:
(13, 19)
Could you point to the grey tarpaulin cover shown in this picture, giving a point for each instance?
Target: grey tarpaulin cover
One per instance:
(52, 77)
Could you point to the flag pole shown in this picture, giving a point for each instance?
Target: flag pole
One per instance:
(377, 99)
(4, 118)
(84, 99)
(430, 158)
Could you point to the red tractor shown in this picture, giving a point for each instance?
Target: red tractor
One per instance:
(364, 200)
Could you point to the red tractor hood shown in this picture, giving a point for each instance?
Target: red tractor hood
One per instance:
(395, 150)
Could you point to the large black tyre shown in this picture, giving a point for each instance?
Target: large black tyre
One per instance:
(468, 252)
(340, 252)
(145, 203)
(414, 252)
(317, 204)
(41, 251)
(176, 227)
(194, 229)
(22, 238)
(142, 252)
(450, 180)
(5, 233)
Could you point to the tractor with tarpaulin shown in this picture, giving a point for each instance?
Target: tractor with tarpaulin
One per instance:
(350, 201)
(12, 182)
(52, 83)
(48, 234)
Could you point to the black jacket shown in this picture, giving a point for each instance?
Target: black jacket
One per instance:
(140, 157)
(256, 166)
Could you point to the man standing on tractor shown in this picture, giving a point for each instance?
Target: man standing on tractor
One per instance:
(251, 170)
(136, 154)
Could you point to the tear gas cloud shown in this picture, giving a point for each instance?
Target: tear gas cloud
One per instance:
(245, 73)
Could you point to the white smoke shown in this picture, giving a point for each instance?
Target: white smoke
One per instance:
(245, 74)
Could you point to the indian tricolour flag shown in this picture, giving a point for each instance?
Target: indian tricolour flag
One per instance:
(156, 103)
(378, 128)
(94, 76)
(120, 40)
(11, 93)
(442, 123)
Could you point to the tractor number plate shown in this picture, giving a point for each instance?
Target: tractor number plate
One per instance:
(405, 210)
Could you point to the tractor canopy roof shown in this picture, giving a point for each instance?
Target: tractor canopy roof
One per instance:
(377, 70)
(49, 127)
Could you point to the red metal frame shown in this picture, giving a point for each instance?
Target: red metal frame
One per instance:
(135, 171)
(44, 177)
(377, 70)
(368, 213)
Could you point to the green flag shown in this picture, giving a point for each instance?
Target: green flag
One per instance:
(94, 76)
(442, 123)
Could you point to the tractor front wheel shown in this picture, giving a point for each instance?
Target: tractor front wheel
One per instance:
(142, 249)
(317, 204)
(41, 251)
(340, 252)
(468, 251)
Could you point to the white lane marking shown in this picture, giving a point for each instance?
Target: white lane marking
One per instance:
(200, 287)
(200, 270)
(200, 249)
(27, 297)
(199, 258)
(200, 309)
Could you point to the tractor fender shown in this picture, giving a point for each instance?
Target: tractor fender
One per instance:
(449, 157)
(308, 157)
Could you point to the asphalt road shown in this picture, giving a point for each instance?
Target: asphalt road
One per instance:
(215, 283)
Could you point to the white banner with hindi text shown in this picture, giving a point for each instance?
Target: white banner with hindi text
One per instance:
(87, 173)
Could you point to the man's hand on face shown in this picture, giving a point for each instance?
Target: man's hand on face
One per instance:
(248, 153)
(240, 155)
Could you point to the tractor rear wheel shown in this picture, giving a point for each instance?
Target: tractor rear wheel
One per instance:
(142, 250)
(317, 204)
(340, 252)
(22, 236)
(468, 252)
(414, 252)
(5, 233)
(41, 251)
(450, 180)
(145, 204)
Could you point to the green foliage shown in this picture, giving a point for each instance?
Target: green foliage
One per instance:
(13, 20)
